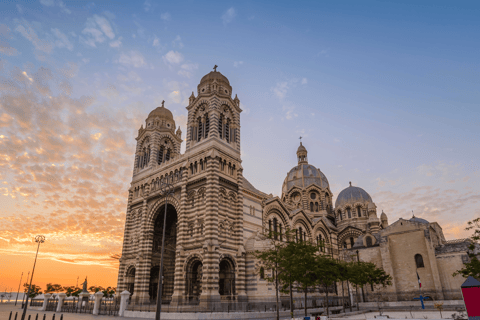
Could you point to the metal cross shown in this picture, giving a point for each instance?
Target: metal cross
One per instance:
(300, 138)
(215, 68)
(163, 102)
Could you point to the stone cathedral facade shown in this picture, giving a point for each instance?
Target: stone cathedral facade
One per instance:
(215, 217)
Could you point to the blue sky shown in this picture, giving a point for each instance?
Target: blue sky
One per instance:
(385, 94)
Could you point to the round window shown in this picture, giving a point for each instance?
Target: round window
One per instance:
(313, 195)
(226, 91)
(203, 90)
(168, 125)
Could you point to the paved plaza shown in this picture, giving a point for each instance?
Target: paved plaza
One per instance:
(421, 315)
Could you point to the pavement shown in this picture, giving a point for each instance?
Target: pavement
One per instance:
(5, 309)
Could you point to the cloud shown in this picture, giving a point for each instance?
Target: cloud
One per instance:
(96, 28)
(147, 5)
(237, 64)
(29, 33)
(59, 3)
(156, 41)
(62, 40)
(289, 112)
(165, 16)
(228, 16)
(177, 42)
(19, 8)
(133, 58)
(173, 57)
(280, 90)
(5, 47)
(187, 69)
(116, 43)
(304, 81)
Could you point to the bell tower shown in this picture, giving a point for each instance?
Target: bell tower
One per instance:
(213, 114)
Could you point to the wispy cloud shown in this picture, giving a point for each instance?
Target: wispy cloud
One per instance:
(228, 16)
(237, 64)
(96, 28)
(62, 40)
(59, 3)
(5, 47)
(166, 16)
(133, 59)
(147, 5)
(173, 57)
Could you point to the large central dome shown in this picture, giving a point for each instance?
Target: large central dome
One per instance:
(304, 175)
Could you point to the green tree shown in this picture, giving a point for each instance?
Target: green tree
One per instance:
(95, 289)
(327, 272)
(299, 261)
(34, 290)
(272, 258)
(472, 268)
(109, 292)
(72, 291)
(53, 288)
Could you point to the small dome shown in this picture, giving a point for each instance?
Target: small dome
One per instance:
(304, 175)
(352, 194)
(221, 80)
(383, 216)
(301, 148)
(215, 75)
(420, 220)
(161, 112)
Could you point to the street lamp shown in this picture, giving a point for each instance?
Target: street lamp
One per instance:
(38, 239)
(166, 189)
(19, 288)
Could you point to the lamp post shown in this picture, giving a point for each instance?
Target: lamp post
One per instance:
(19, 288)
(38, 239)
(166, 189)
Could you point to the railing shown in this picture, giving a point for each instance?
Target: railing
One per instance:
(236, 306)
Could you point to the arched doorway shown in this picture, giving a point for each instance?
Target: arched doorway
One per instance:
(169, 253)
(194, 281)
(226, 279)
(130, 280)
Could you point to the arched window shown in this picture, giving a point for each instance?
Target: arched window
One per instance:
(368, 240)
(262, 273)
(270, 228)
(345, 245)
(160, 154)
(316, 206)
(207, 125)
(419, 261)
(220, 126)
(280, 231)
(200, 129)
(349, 213)
(340, 215)
(311, 206)
(167, 155)
(300, 231)
(359, 211)
(352, 242)
(275, 230)
(227, 130)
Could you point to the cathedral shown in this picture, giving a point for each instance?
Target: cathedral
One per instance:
(215, 217)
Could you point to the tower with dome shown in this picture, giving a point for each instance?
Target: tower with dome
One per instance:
(215, 217)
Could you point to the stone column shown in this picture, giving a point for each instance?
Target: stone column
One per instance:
(210, 294)
(123, 302)
(179, 282)
(144, 257)
(98, 299)
(61, 299)
(81, 297)
(46, 296)
(214, 115)
(241, 254)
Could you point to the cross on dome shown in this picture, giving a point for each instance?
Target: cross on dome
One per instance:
(215, 68)
(163, 103)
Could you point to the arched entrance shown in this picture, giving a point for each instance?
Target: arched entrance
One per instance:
(194, 281)
(169, 253)
(226, 279)
(130, 280)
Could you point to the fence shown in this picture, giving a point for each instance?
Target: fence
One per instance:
(236, 306)
(108, 306)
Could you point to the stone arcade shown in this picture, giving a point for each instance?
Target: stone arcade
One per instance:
(215, 217)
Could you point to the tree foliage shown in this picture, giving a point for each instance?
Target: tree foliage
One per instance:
(34, 290)
(472, 268)
(53, 288)
(72, 291)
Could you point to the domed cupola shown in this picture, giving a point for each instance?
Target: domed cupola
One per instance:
(214, 82)
(352, 195)
(160, 117)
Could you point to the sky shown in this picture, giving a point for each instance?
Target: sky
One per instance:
(384, 94)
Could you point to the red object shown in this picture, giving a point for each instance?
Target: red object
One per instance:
(471, 296)
(419, 283)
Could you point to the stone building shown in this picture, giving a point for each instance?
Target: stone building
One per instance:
(215, 216)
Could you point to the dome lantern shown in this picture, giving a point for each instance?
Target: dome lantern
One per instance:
(302, 154)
